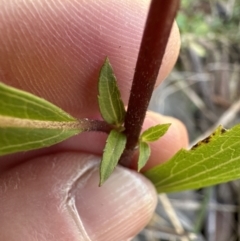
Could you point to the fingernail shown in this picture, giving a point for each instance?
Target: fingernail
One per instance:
(118, 210)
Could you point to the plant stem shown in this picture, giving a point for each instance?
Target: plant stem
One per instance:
(80, 124)
(94, 125)
(154, 41)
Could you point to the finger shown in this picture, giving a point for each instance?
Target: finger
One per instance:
(55, 48)
(57, 198)
(169, 144)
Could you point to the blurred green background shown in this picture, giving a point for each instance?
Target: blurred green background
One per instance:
(203, 91)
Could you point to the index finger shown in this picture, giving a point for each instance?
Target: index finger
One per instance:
(54, 49)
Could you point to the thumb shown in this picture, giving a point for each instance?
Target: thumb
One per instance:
(57, 198)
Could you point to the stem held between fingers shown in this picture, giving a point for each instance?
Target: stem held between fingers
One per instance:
(154, 41)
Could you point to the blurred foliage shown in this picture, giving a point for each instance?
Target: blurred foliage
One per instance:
(210, 19)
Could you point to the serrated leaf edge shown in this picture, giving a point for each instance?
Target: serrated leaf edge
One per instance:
(123, 144)
(118, 118)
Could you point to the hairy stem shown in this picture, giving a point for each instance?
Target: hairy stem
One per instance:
(95, 125)
(155, 37)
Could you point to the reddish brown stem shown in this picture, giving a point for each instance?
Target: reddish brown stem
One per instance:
(155, 37)
(94, 125)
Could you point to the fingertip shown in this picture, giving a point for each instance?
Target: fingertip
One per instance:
(69, 41)
(171, 54)
(57, 197)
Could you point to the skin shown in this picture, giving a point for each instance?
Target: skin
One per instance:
(54, 49)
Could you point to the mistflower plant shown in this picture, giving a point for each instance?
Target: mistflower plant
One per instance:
(29, 122)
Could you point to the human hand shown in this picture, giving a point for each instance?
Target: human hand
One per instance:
(54, 49)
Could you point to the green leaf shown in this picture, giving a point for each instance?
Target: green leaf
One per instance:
(25, 139)
(29, 122)
(113, 150)
(21, 104)
(214, 160)
(144, 154)
(109, 99)
(154, 133)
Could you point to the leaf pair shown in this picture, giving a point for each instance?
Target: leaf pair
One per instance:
(150, 135)
(113, 112)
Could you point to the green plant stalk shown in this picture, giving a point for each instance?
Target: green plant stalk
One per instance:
(155, 37)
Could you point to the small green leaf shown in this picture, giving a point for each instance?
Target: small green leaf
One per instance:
(29, 122)
(154, 132)
(109, 99)
(144, 154)
(114, 148)
(209, 163)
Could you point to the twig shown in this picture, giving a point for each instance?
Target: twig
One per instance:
(172, 215)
